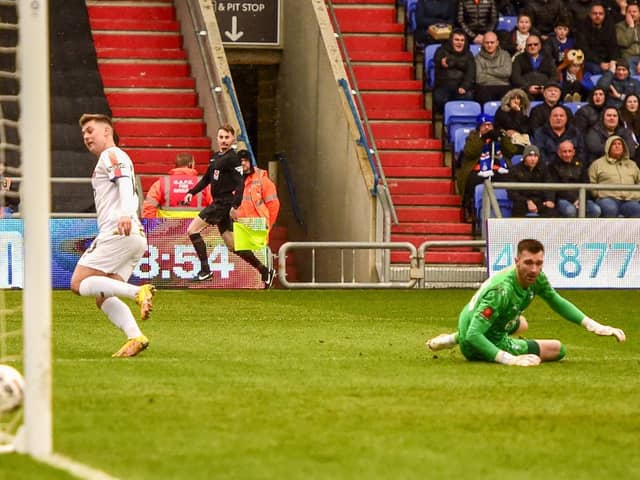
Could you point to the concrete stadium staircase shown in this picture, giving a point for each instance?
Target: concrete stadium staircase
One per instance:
(419, 181)
(147, 83)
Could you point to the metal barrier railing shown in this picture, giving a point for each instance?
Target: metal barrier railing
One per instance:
(200, 28)
(366, 141)
(417, 264)
(343, 247)
(490, 202)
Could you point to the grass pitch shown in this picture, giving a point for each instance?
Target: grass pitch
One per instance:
(337, 385)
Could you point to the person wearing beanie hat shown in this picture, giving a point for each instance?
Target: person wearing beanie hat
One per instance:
(530, 150)
(618, 83)
(535, 202)
(484, 156)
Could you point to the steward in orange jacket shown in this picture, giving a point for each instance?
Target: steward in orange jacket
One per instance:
(165, 196)
(259, 198)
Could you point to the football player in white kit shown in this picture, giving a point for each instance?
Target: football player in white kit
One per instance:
(104, 268)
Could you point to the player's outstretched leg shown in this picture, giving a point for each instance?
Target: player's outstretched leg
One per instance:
(443, 341)
(132, 347)
(144, 299)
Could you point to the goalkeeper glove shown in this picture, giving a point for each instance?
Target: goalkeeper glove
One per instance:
(605, 330)
(506, 358)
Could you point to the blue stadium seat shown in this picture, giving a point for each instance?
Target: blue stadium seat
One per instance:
(491, 107)
(534, 103)
(515, 160)
(460, 137)
(574, 106)
(502, 197)
(429, 66)
(410, 9)
(507, 22)
(459, 114)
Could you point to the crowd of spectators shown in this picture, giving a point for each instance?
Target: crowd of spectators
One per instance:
(578, 62)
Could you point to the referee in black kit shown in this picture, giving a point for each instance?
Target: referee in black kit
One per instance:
(225, 177)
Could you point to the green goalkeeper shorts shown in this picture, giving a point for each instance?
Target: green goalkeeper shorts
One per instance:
(514, 346)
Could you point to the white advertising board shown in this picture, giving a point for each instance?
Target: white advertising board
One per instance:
(579, 253)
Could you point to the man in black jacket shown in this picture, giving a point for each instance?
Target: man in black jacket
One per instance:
(531, 203)
(224, 176)
(455, 70)
(596, 37)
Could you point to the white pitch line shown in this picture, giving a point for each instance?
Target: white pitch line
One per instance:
(78, 470)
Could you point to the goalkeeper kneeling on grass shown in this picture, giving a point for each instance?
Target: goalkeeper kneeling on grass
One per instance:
(493, 314)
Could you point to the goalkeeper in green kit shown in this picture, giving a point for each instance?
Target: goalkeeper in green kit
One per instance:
(494, 313)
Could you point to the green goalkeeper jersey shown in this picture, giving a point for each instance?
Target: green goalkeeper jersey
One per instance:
(494, 310)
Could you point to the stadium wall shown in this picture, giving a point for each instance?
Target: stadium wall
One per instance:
(332, 175)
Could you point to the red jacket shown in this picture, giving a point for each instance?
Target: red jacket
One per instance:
(166, 194)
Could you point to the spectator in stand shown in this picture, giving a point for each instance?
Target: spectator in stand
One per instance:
(486, 154)
(616, 9)
(589, 114)
(578, 12)
(536, 202)
(544, 14)
(477, 17)
(260, 198)
(567, 168)
(455, 71)
(511, 118)
(630, 117)
(514, 41)
(533, 69)
(555, 131)
(595, 37)
(619, 84)
(628, 37)
(615, 167)
(432, 12)
(510, 8)
(608, 125)
(561, 42)
(539, 115)
(164, 198)
(9, 195)
(493, 70)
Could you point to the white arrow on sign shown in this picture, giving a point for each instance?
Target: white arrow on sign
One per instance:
(234, 34)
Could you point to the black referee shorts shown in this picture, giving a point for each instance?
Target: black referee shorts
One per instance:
(217, 214)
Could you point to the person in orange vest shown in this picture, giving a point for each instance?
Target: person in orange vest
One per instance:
(259, 198)
(165, 196)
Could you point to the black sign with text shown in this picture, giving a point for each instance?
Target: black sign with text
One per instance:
(248, 22)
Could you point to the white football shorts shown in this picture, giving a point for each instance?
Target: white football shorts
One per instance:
(115, 253)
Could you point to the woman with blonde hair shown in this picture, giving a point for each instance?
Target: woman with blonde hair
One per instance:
(512, 118)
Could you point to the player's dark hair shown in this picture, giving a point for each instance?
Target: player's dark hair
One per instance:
(530, 245)
(227, 128)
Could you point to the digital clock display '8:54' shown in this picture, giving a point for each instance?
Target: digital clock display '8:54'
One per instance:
(184, 263)
(572, 258)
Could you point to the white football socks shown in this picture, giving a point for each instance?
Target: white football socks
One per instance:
(121, 316)
(97, 286)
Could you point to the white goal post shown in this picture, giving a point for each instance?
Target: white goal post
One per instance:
(35, 437)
